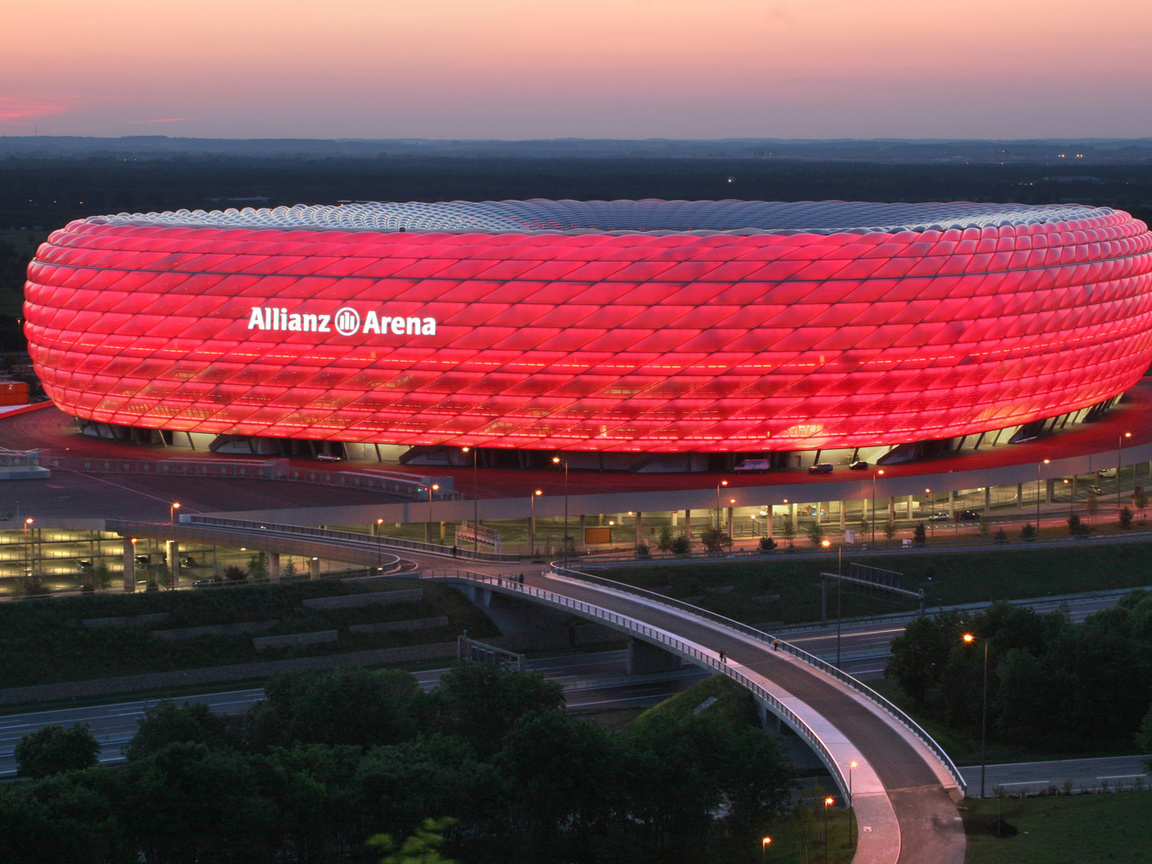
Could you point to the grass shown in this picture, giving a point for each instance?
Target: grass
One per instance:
(784, 589)
(1076, 829)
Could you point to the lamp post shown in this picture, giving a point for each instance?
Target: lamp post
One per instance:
(931, 511)
(764, 844)
(556, 460)
(839, 587)
(1038, 467)
(874, 476)
(376, 534)
(1119, 455)
(827, 804)
(969, 639)
(27, 557)
(719, 521)
(428, 529)
(532, 522)
(475, 503)
(851, 765)
(172, 508)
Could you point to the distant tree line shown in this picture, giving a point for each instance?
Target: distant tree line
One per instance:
(330, 759)
(1052, 685)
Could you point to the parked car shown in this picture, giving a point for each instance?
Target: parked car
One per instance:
(1095, 490)
(84, 565)
(939, 517)
(754, 465)
(858, 465)
(144, 559)
(821, 468)
(968, 515)
(326, 457)
(187, 561)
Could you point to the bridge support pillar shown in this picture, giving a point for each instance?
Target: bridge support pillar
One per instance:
(313, 568)
(274, 566)
(987, 500)
(129, 564)
(1019, 496)
(639, 530)
(644, 657)
(172, 554)
(768, 720)
(687, 523)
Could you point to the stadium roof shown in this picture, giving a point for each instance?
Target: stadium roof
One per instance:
(648, 216)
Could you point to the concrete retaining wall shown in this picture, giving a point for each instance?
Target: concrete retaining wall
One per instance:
(242, 628)
(292, 640)
(397, 626)
(380, 598)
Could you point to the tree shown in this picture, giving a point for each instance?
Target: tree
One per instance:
(1125, 517)
(715, 540)
(788, 529)
(422, 847)
(890, 529)
(1091, 507)
(288, 571)
(919, 534)
(681, 544)
(258, 566)
(1140, 500)
(53, 749)
(642, 551)
(1076, 525)
(920, 654)
(664, 544)
(815, 532)
(1144, 737)
(170, 722)
(767, 544)
(101, 575)
(232, 573)
(1028, 532)
(481, 703)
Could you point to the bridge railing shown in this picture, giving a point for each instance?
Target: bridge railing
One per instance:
(345, 536)
(652, 634)
(779, 644)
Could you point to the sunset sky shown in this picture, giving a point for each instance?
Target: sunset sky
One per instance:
(517, 69)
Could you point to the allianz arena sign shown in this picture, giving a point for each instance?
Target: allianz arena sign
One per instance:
(632, 326)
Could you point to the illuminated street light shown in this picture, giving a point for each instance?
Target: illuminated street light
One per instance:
(764, 844)
(1119, 455)
(428, 531)
(27, 557)
(827, 803)
(874, 476)
(969, 639)
(851, 765)
(719, 521)
(172, 508)
(532, 522)
(556, 460)
(475, 502)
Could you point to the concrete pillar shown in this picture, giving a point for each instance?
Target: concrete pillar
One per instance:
(644, 657)
(910, 513)
(891, 509)
(1048, 490)
(792, 515)
(313, 568)
(952, 503)
(688, 522)
(639, 530)
(129, 564)
(987, 500)
(1019, 496)
(843, 516)
(770, 517)
(819, 509)
(731, 523)
(273, 566)
(172, 553)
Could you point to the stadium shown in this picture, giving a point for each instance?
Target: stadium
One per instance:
(627, 327)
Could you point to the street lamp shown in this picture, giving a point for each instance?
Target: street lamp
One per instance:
(428, 530)
(556, 460)
(874, 476)
(851, 765)
(172, 508)
(1119, 454)
(969, 639)
(27, 557)
(719, 521)
(764, 844)
(532, 521)
(1038, 466)
(376, 534)
(827, 804)
(839, 588)
(475, 502)
(931, 511)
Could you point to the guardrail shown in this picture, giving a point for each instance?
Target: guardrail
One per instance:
(652, 634)
(799, 653)
(345, 536)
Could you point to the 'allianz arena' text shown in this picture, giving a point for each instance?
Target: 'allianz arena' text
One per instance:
(614, 326)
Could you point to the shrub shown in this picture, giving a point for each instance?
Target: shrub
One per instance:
(919, 534)
(642, 550)
(681, 544)
(767, 544)
(1028, 532)
(1125, 517)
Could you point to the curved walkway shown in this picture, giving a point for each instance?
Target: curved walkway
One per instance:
(903, 796)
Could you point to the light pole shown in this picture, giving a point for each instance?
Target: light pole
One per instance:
(556, 460)
(839, 587)
(719, 521)
(27, 557)
(969, 639)
(874, 476)
(376, 534)
(428, 530)
(532, 522)
(172, 508)
(1119, 455)
(851, 765)
(475, 503)
(1038, 467)
(931, 511)
(827, 804)
(764, 844)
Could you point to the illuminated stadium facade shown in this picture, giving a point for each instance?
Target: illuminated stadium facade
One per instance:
(624, 326)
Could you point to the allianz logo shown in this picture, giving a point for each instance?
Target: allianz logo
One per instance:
(347, 322)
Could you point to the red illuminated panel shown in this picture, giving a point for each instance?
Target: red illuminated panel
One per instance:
(587, 340)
